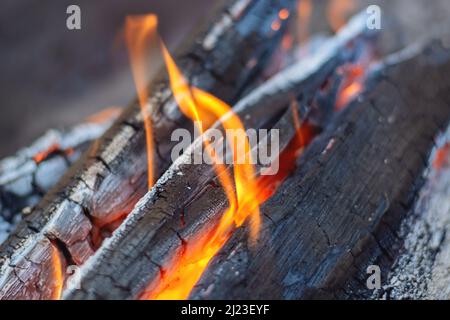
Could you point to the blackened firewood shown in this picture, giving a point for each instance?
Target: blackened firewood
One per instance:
(422, 267)
(102, 188)
(352, 188)
(32, 171)
(187, 196)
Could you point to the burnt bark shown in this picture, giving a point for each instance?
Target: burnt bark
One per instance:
(353, 186)
(222, 58)
(26, 176)
(187, 197)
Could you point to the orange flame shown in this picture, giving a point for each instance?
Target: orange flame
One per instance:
(178, 279)
(205, 109)
(352, 85)
(57, 274)
(140, 32)
(245, 192)
(338, 12)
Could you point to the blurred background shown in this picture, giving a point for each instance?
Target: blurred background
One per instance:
(51, 77)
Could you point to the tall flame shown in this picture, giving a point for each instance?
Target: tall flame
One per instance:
(140, 32)
(205, 109)
(178, 279)
(244, 190)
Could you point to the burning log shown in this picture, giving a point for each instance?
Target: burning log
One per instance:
(102, 187)
(187, 196)
(28, 175)
(347, 205)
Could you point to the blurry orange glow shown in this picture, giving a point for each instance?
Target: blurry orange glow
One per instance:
(283, 14)
(104, 115)
(140, 33)
(352, 85)
(287, 42)
(338, 12)
(276, 25)
(304, 11)
(57, 275)
(348, 94)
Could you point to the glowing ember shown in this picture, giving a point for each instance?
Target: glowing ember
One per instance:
(57, 274)
(140, 32)
(442, 157)
(352, 86)
(276, 25)
(283, 14)
(53, 149)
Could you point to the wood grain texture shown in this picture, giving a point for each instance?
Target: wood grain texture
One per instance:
(188, 198)
(352, 188)
(107, 182)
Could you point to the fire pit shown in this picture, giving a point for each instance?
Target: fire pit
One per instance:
(263, 161)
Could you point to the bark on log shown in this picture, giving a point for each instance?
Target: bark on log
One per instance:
(32, 171)
(352, 188)
(187, 196)
(107, 182)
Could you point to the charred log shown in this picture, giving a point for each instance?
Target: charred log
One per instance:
(32, 171)
(103, 186)
(187, 197)
(348, 206)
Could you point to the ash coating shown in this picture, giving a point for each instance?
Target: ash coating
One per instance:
(422, 270)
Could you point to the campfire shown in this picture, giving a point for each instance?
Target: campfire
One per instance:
(263, 161)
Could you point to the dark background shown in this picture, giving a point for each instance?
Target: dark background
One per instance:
(51, 77)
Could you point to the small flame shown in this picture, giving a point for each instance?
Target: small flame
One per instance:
(338, 12)
(352, 86)
(57, 274)
(140, 32)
